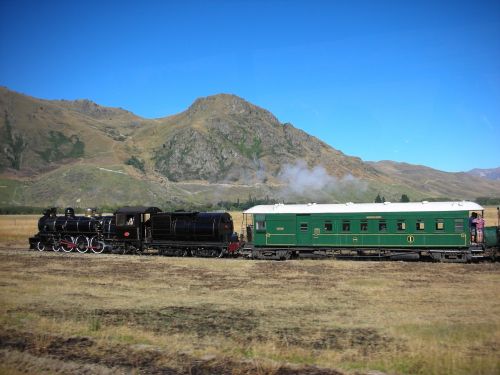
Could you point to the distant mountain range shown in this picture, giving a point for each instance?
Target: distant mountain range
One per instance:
(222, 148)
(490, 174)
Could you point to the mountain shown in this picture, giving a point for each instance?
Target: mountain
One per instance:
(433, 183)
(224, 138)
(490, 174)
(221, 148)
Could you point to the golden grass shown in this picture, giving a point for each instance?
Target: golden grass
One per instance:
(396, 317)
(491, 216)
(18, 228)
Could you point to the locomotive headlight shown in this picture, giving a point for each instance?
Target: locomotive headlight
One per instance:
(126, 234)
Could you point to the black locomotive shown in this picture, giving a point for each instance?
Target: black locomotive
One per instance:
(70, 232)
(137, 230)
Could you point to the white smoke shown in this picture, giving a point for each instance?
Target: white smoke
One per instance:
(300, 179)
(316, 184)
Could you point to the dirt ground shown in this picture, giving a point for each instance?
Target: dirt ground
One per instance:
(115, 314)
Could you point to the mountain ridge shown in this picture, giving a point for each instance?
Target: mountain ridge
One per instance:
(221, 147)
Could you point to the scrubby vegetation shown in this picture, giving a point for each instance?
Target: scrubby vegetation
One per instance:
(15, 144)
(62, 147)
(136, 162)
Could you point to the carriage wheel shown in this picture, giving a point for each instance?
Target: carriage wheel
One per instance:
(67, 244)
(82, 244)
(40, 246)
(96, 245)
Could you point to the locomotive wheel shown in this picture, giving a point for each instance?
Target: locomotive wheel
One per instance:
(67, 244)
(216, 253)
(82, 244)
(96, 245)
(40, 246)
(56, 247)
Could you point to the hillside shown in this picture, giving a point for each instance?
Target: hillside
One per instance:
(59, 152)
(39, 135)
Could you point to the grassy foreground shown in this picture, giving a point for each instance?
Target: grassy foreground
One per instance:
(74, 313)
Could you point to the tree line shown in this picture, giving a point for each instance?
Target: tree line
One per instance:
(381, 199)
(238, 205)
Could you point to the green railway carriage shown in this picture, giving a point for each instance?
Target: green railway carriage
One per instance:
(439, 230)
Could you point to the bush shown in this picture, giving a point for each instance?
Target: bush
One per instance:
(136, 163)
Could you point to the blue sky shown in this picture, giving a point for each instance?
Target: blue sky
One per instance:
(415, 82)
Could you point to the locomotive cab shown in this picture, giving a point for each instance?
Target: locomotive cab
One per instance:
(133, 224)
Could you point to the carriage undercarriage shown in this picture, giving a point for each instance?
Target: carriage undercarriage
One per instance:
(474, 253)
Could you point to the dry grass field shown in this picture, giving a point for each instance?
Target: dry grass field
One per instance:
(114, 314)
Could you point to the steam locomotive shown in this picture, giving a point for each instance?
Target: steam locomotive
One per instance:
(136, 230)
(437, 231)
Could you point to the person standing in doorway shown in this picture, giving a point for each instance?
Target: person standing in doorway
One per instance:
(472, 226)
(479, 221)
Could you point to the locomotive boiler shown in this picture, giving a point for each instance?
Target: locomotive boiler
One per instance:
(70, 232)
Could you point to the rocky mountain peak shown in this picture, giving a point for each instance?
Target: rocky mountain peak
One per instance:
(221, 105)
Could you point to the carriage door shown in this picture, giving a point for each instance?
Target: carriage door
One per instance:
(304, 230)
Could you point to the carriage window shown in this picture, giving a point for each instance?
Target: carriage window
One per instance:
(328, 226)
(382, 226)
(303, 227)
(420, 225)
(401, 225)
(121, 219)
(260, 225)
(346, 226)
(363, 226)
(459, 225)
(439, 224)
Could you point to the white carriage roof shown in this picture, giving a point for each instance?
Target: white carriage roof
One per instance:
(313, 208)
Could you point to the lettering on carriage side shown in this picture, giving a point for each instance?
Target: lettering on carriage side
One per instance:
(355, 239)
(410, 239)
(374, 217)
(280, 228)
